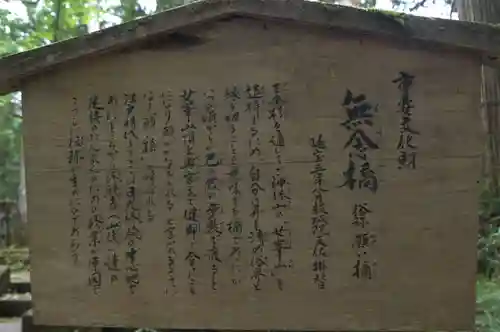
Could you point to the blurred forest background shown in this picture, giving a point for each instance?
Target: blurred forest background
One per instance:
(34, 23)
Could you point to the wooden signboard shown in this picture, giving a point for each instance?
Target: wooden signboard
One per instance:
(262, 175)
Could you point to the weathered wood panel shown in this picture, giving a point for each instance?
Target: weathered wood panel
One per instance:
(302, 273)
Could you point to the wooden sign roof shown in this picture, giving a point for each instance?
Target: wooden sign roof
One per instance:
(480, 39)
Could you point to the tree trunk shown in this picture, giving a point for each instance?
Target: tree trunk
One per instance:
(487, 11)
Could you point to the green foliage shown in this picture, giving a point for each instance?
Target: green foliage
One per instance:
(487, 306)
(128, 10)
(413, 5)
(16, 258)
(488, 253)
(10, 126)
(489, 233)
(167, 4)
